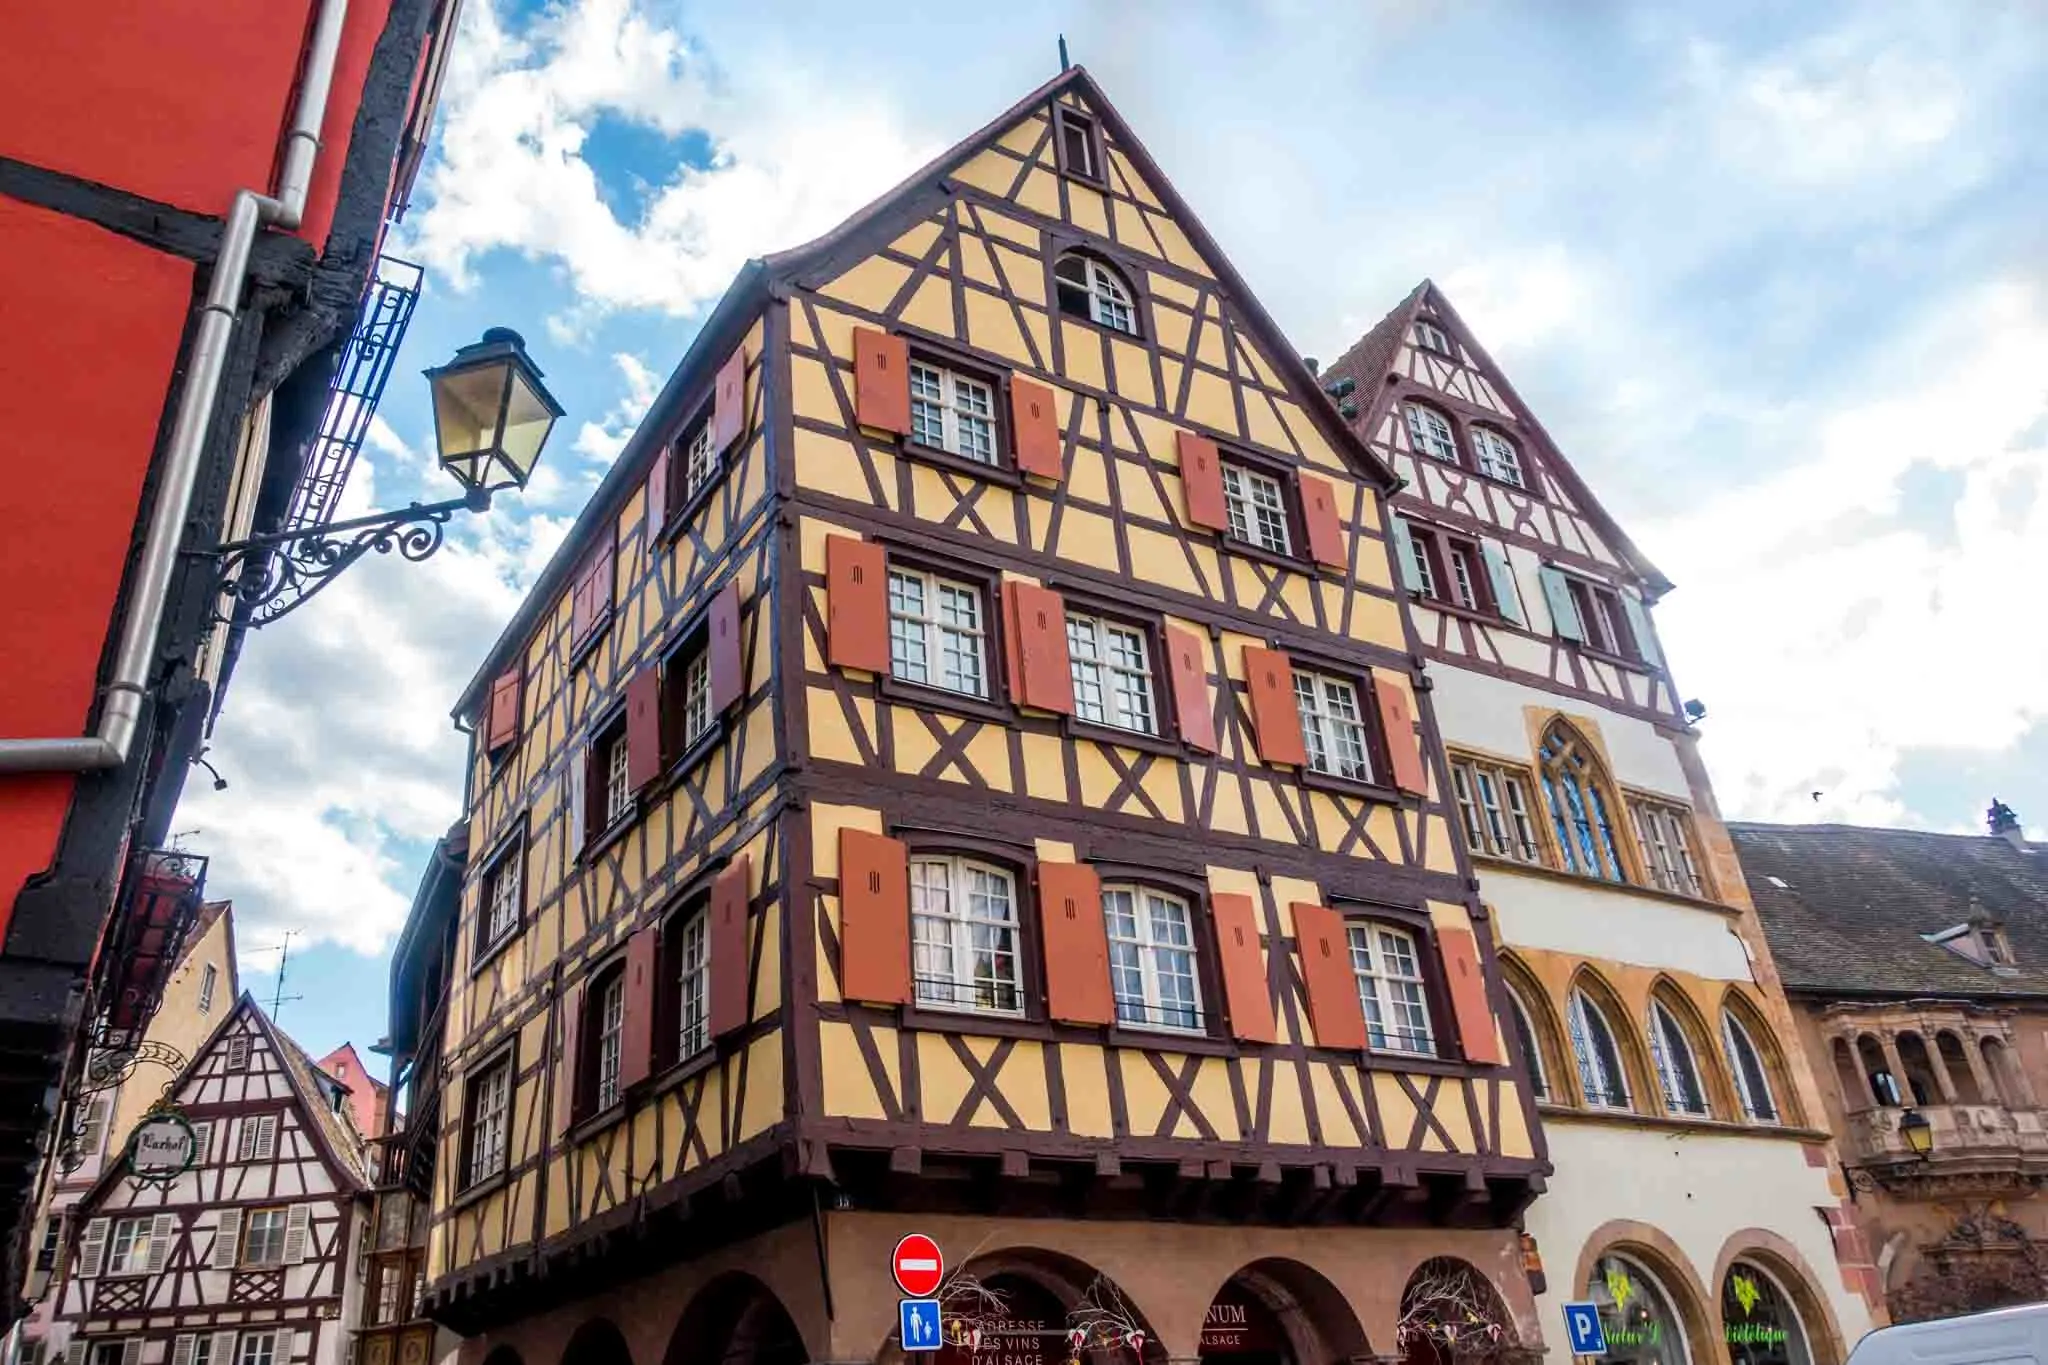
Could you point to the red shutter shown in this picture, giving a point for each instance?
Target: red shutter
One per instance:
(636, 1020)
(874, 918)
(1076, 944)
(643, 727)
(1041, 672)
(730, 950)
(1404, 749)
(1201, 480)
(881, 380)
(593, 593)
(1476, 1031)
(1333, 1008)
(503, 726)
(856, 604)
(1034, 428)
(1319, 514)
(1244, 969)
(1186, 660)
(657, 492)
(564, 1098)
(729, 402)
(728, 672)
(1276, 716)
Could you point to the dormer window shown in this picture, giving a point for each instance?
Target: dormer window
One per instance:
(1091, 289)
(1996, 951)
(1430, 337)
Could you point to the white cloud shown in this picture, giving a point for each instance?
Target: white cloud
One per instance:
(602, 440)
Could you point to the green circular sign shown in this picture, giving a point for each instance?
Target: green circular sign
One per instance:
(163, 1147)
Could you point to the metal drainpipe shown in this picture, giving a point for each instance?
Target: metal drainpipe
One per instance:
(121, 710)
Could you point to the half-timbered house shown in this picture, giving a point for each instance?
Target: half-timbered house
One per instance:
(967, 770)
(1689, 1140)
(253, 1255)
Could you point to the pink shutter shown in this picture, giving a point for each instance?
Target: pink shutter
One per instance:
(1476, 1031)
(1201, 481)
(729, 402)
(730, 1007)
(1244, 968)
(728, 671)
(1041, 671)
(643, 727)
(874, 918)
(636, 1020)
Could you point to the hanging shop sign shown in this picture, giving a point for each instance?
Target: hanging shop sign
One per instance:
(162, 1148)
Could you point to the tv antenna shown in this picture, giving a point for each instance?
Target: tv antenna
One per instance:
(278, 999)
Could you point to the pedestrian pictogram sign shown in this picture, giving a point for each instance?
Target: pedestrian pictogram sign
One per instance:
(1583, 1330)
(918, 1267)
(920, 1326)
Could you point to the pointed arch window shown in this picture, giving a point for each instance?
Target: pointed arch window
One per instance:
(1431, 433)
(1601, 1075)
(1525, 1034)
(1581, 804)
(1746, 1064)
(1092, 289)
(1678, 1069)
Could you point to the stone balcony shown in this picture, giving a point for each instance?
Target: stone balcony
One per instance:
(1985, 1147)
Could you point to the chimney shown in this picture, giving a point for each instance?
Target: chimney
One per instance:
(2003, 822)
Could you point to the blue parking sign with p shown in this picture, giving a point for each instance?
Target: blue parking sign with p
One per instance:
(1583, 1330)
(920, 1324)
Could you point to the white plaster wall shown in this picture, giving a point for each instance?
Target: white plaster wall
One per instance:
(1486, 712)
(1699, 1190)
(1592, 920)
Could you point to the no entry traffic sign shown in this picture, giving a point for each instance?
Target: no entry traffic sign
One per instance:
(917, 1265)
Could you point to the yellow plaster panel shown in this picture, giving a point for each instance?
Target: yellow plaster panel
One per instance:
(1288, 890)
(1397, 1111)
(1039, 325)
(1141, 497)
(993, 327)
(1211, 1091)
(836, 331)
(1084, 1068)
(1169, 287)
(1307, 435)
(760, 743)
(1130, 227)
(1451, 1113)
(931, 307)
(1014, 230)
(810, 390)
(974, 259)
(1211, 404)
(1023, 1086)
(1133, 373)
(1209, 345)
(1172, 326)
(1053, 851)
(768, 989)
(1144, 1093)
(1085, 209)
(869, 285)
(1376, 619)
(1088, 537)
(1024, 136)
(989, 752)
(919, 239)
(1098, 780)
(1162, 783)
(830, 738)
(1262, 424)
(826, 822)
(1082, 352)
(992, 171)
(762, 1107)
(1271, 811)
(1511, 1138)
(849, 1091)
(1041, 193)
(1179, 249)
(1086, 479)
(1438, 855)
(1128, 177)
(1226, 812)
(1159, 558)
(1025, 275)
(942, 1078)
(827, 464)
(1045, 772)
(1338, 1129)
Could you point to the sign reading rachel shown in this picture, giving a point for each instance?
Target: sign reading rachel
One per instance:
(163, 1148)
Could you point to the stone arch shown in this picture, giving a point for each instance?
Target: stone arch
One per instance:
(598, 1341)
(1645, 1096)
(1313, 1314)
(1674, 1271)
(1064, 1279)
(1886, 1091)
(735, 1319)
(1917, 1060)
(1961, 1067)
(1790, 1270)
(1849, 1078)
(1416, 1342)
(1551, 1064)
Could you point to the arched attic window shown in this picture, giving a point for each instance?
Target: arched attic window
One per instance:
(1091, 288)
(1498, 458)
(1676, 1059)
(1431, 434)
(1750, 1064)
(1603, 1078)
(1581, 802)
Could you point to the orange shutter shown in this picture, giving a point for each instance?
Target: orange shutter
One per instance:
(1319, 514)
(564, 1098)
(874, 918)
(729, 402)
(1276, 716)
(636, 1019)
(881, 380)
(1041, 671)
(503, 726)
(1404, 748)
(1333, 1008)
(856, 604)
(728, 671)
(1201, 480)
(1244, 969)
(1186, 656)
(1034, 429)
(1476, 1031)
(643, 727)
(1076, 944)
(657, 492)
(729, 949)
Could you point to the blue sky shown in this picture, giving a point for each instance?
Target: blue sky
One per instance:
(1772, 276)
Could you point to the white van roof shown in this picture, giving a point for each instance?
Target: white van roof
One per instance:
(2004, 1336)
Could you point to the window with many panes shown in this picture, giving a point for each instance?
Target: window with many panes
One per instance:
(1525, 1033)
(693, 984)
(964, 935)
(488, 1120)
(263, 1236)
(1678, 1071)
(1603, 618)
(1449, 568)
(696, 690)
(1257, 509)
(1579, 800)
(128, 1247)
(1601, 1077)
(1152, 958)
(614, 774)
(208, 980)
(1663, 833)
(1430, 432)
(1430, 337)
(1498, 458)
(1091, 289)
(1077, 145)
(53, 1241)
(1493, 804)
(257, 1348)
(937, 634)
(502, 891)
(1332, 725)
(1112, 674)
(952, 411)
(698, 462)
(610, 1019)
(1389, 972)
(1746, 1064)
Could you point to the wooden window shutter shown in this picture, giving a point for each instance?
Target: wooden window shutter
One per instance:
(266, 1137)
(1639, 626)
(729, 402)
(1404, 553)
(1076, 944)
(728, 671)
(227, 1239)
(74, 1354)
(1041, 671)
(1034, 428)
(657, 491)
(730, 949)
(1319, 515)
(565, 1097)
(298, 1233)
(881, 380)
(578, 804)
(643, 727)
(181, 1348)
(874, 918)
(1564, 613)
(1506, 600)
(592, 598)
(636, 1016)
(502, 727)
(92, 1247)
(1201, 480)
(1186, 662)
(162, 1230)
(1245, 987)
(1334, 1011)
(223, 1348)
(1477, 1033)
(1276, 716)
(1404, 746)
(856, 604)
(131, 1351)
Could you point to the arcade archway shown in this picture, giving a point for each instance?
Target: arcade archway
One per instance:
(1279, 1312)
(735, 1320)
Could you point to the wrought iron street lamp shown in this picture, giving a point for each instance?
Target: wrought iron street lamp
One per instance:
(1918, 1133)
(492, 415)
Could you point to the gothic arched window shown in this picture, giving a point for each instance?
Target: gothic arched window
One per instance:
(1581, 805)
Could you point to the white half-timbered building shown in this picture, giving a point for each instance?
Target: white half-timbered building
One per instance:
(252, 1256)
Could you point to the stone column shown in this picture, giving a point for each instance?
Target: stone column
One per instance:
(1987, 1084)
(1943, 1082)
(1890, 1044)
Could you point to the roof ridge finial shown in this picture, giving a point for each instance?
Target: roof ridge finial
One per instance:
(1064, 64)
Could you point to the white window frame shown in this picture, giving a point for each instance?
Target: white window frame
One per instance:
(1431, 337)
(1255, 506)
(490, 1122)
(1146, 953)
(1597, 1087)
(922, 638)
(1074, 125)
(1672, 1054)
(237, 1058)
(1734, 1036)
(1112, 671)
(128, 1246)
(1386, 962)
(1110, 303)
(611, 1040)
(1494, 804)
(209, 977)
(961, 413)
(1431, 433)
(1338, 745)
(92, 1128)
(258, 1348)
(699, 462)
(618, 781)
(1464, 575)
(1419, 540)
(249, 1255)
(948, 937)
(697, 714)
(1663, 834)
(501, 897)
(1497, 456)
(693, 984)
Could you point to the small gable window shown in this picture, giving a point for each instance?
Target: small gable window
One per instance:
(953, 412)
(1430, 337)
(1498, 458)
(1431, 432)
(1996, 952)
(1080, 147)
(1089, 288)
